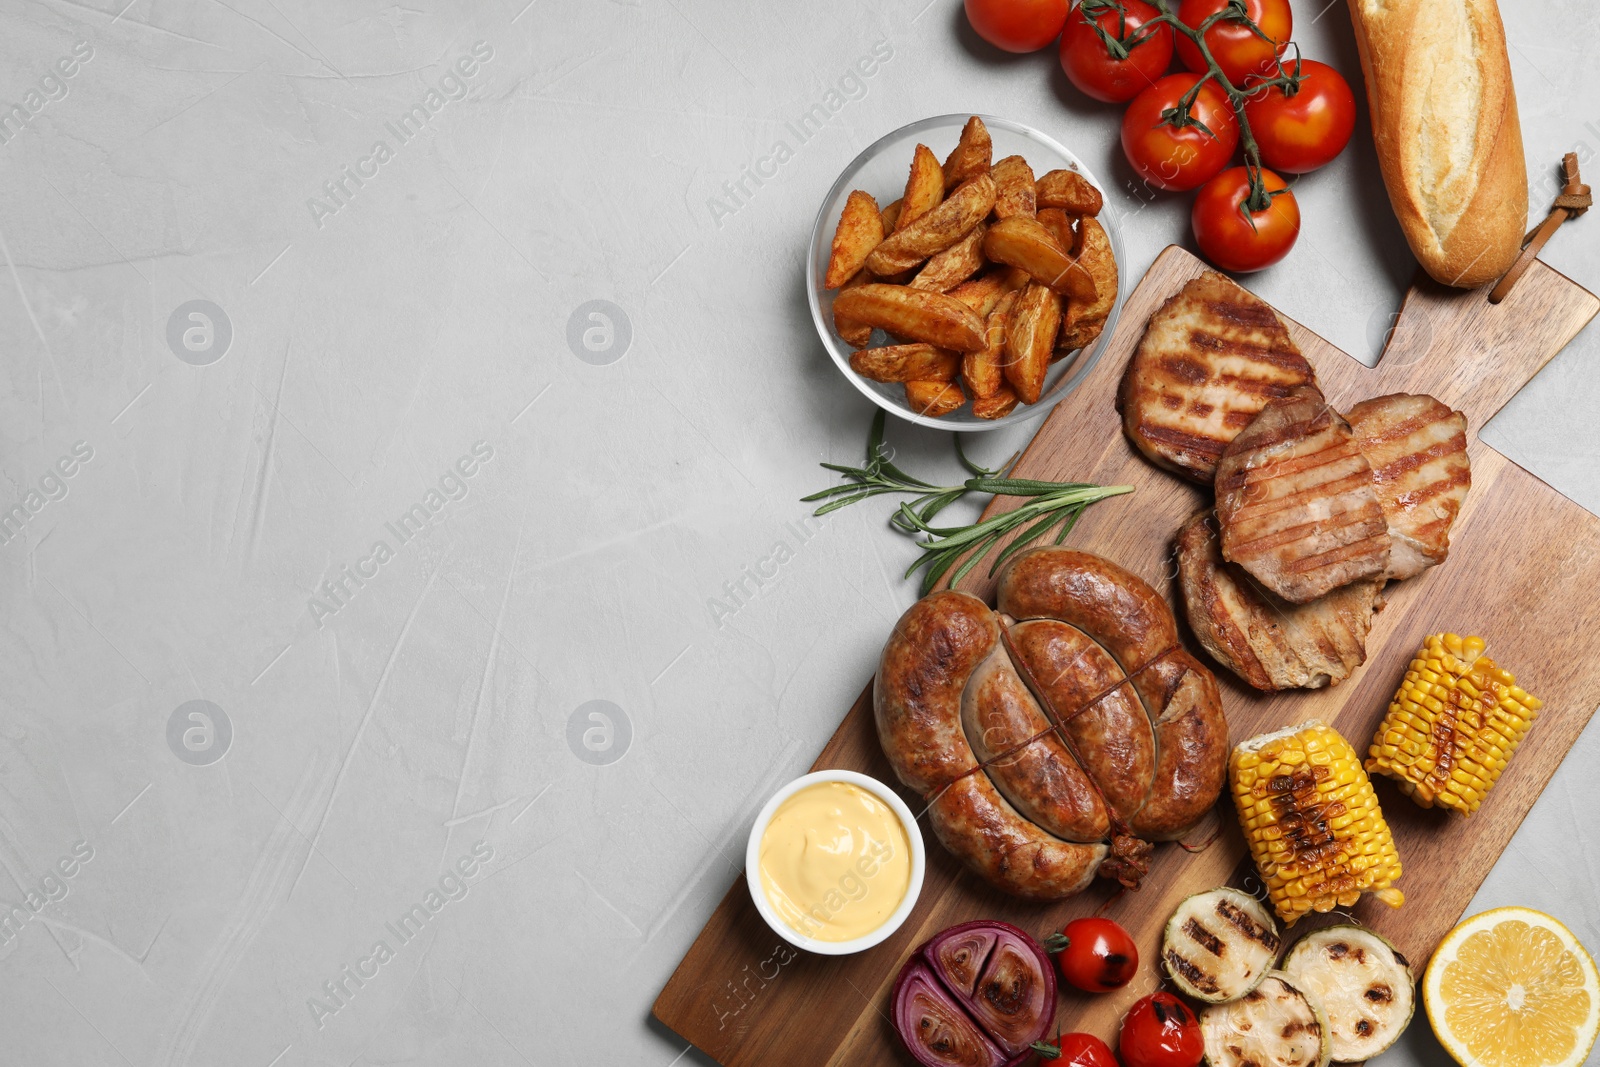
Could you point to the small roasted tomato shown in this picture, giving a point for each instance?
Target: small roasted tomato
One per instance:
(1095, 955)
(1160, 1031)
(1075, 1050)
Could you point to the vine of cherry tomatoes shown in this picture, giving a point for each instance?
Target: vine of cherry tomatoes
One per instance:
(1239, 93)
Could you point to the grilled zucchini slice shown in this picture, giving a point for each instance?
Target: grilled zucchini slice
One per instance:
(1219, 945)
(1276, 1024)
(1365, 986)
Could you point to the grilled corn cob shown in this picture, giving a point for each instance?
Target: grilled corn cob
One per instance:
(1312, 821)
(1452, 726)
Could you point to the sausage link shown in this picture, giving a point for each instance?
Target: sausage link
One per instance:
(973, 821)
(1110, 732)
(1191, 743)
(1028, 763)
(1109, 603)
(916, 696)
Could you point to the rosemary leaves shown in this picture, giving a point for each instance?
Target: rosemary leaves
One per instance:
(1050, 506)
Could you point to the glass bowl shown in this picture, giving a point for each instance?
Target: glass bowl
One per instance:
(881, 170)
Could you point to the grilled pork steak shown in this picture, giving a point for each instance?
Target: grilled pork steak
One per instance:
(1268, 642)
(1418, 451)
(1210, 360)
(1296, 503)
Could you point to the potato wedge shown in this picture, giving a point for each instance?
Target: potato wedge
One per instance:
(860, 230)
(890, 215)
(937, 230)
(982, 370)
(997, 405)
(1030, 337)
(1014, 278)
(1069, 191)
(1080, 334)
(1013, 183)
(982, 293)
(855, 334)
(1092, 249)
(955, 264)
(913, 314)
(924, 187)
(1059, 223)
(934, 398)
(906, 363)
(970, 157)
(1026, 243)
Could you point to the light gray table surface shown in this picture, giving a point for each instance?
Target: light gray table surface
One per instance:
(404, 341)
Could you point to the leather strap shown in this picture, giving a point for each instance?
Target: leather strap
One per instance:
(1573, 201)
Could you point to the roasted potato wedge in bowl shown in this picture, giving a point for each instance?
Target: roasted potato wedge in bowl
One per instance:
(903, 276)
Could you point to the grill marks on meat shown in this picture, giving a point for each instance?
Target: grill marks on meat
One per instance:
(1211, 358)
(1417, 448)
(1296, 502)
(1268, 642)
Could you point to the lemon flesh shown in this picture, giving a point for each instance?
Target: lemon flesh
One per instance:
(1513, 988)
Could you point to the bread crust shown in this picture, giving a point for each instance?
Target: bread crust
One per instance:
(1444, 120)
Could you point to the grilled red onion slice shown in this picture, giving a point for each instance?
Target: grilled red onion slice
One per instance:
(975, 995)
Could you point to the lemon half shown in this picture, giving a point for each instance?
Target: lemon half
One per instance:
(1513, 988)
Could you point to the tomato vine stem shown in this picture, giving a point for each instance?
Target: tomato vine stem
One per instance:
(1181, 115)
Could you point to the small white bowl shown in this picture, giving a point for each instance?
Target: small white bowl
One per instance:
(752, 864)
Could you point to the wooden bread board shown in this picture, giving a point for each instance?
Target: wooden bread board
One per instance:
(1523, 572)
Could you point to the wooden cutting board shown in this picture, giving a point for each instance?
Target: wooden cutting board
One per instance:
(1523, 573)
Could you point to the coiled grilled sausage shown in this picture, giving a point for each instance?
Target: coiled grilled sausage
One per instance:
(926, 669)
(1131, 621)
(1052, 734)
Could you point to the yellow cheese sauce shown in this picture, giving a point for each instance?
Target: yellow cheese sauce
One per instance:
(835, 861)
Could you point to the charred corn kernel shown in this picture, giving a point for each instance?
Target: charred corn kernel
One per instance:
(1453, 724)
(1312, 821)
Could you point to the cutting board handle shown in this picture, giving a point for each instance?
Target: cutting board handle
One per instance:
(1474, 355)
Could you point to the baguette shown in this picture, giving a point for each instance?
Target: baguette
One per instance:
(1444, 119)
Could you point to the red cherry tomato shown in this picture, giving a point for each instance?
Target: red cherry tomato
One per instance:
(1235, 238)
(1172, 157)
(1302, 132)
(1017, 25)
(1090, 65)
(1076, 1050)
(1160, 1031)
(1096, 955)
(1238, 51)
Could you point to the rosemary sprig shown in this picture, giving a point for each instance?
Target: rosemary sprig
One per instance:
(1051, 505)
